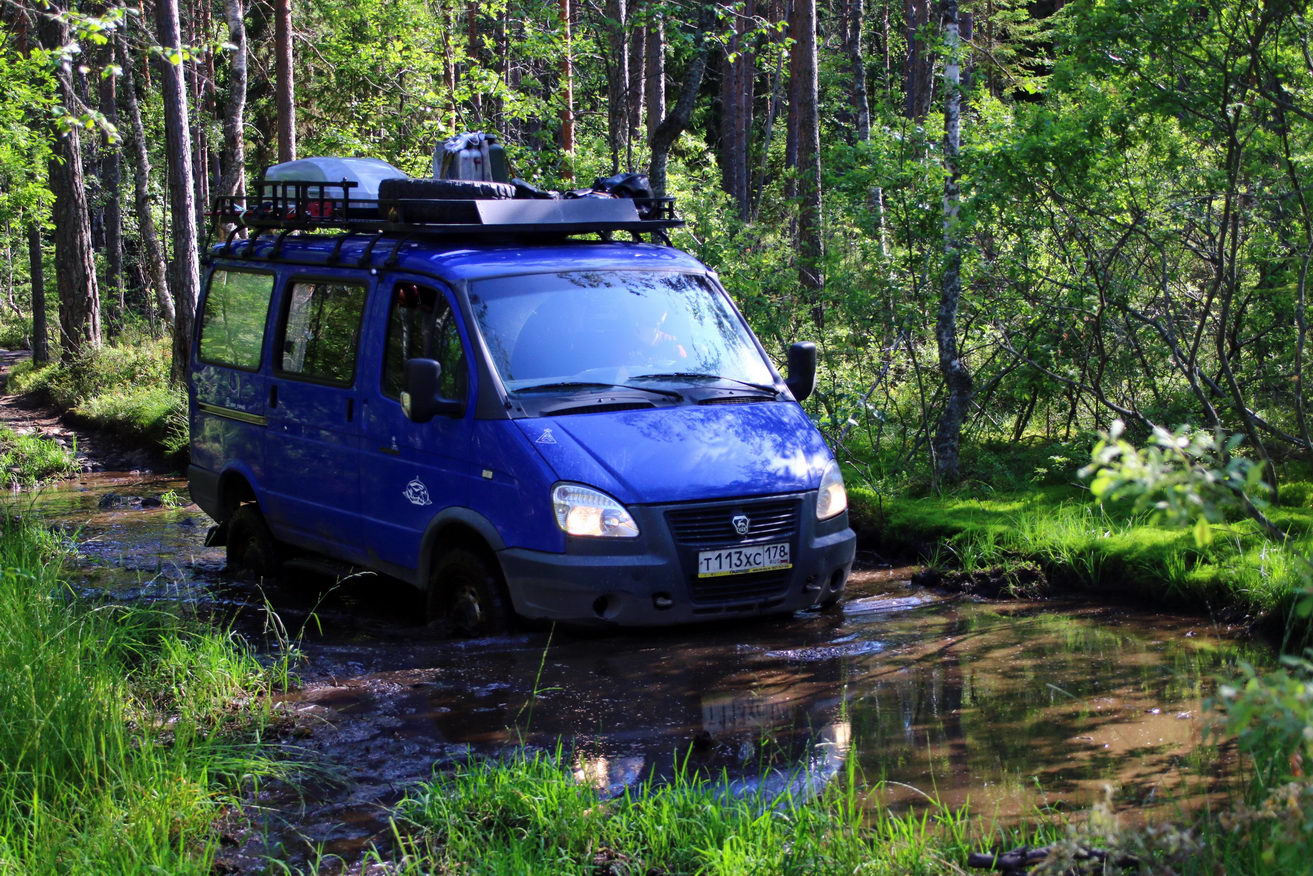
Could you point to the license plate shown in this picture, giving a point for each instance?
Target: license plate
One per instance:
(736, 561)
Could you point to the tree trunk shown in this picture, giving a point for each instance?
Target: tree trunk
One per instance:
(40, 334)
(284, 86)
(111, 176)
(736, 83)
(857, 63)
(673, 124)
(75, 264)
(567, 94)
(655, 77)
(957, 378)
(177, 135)
(920, 60)
(804, 93)
(637, 85)
(617, 82)
(233, 181)
(152, 251)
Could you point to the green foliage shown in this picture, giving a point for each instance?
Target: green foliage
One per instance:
(123, 730)
(1186, 476)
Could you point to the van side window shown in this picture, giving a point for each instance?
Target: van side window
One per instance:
(232, 323)
(322, 331)
(422, 325)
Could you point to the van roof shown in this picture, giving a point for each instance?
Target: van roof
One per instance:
(455, 259)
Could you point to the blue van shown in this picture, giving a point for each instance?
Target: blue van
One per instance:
(476, 398)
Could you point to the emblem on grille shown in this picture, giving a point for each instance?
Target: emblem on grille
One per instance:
(741, 523)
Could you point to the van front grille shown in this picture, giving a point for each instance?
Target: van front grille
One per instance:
(733, 588)
(713, 525)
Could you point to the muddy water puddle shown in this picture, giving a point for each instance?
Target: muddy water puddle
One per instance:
(1010, 707)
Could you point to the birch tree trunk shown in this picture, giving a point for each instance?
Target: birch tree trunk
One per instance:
(674, 124)
(152, 252)
(233, 181)
(177, 135)
(655, 78)
(634, 96)
(111, 177)
(957, 378)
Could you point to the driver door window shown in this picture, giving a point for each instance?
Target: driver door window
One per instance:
(422, 325)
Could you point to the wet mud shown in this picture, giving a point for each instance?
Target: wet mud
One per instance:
(1012, 707)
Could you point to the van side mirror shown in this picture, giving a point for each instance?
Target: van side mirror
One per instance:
(420, 399)
(802, 370)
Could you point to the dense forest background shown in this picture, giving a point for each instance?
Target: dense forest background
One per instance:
(1002, 220)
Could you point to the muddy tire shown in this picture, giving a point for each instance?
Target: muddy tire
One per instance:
(251, 546)
(467, 597)
(831, 600)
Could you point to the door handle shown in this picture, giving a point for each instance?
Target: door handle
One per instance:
(350, 409)
(273, 396)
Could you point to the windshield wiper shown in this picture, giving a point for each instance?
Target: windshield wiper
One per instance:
(698, 375)
(586, 384)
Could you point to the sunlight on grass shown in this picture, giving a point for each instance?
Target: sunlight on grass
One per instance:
(124, 731)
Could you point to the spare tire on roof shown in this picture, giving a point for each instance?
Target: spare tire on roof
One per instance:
(437, 200)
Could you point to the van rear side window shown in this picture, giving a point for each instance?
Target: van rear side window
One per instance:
(322, 331)
(232, 325)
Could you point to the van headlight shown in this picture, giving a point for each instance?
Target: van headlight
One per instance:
(832, 498)
(582, 510)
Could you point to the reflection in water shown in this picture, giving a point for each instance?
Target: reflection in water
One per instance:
(1009, 707)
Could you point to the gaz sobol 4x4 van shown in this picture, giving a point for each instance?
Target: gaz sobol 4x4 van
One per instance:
(489, 397)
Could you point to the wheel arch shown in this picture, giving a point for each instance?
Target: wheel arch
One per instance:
(464, 527)
(236, 487)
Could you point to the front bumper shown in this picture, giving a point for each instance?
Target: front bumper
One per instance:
(651, 580)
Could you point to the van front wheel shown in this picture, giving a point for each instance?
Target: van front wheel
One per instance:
(251, 546)
(466, 595)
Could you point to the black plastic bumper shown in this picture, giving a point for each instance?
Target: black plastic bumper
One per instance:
(652, 581)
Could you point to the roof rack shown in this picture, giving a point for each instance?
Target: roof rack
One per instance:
(318, 205)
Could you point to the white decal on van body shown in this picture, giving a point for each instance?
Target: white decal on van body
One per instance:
(417, 493)
(546, 437)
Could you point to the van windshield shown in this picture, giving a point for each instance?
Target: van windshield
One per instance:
(613, 327)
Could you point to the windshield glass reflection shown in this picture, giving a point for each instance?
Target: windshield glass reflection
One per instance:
(610, 327)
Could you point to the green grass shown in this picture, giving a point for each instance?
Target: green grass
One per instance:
(1085, 546)
(122, 388)
(528, 814)
(27, 460)
(124, 731)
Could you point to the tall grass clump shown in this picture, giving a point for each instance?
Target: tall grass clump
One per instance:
(528, 814)
(124, 731)
(121, 387)
(27, 460)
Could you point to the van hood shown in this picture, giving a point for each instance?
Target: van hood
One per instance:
(684, 453)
